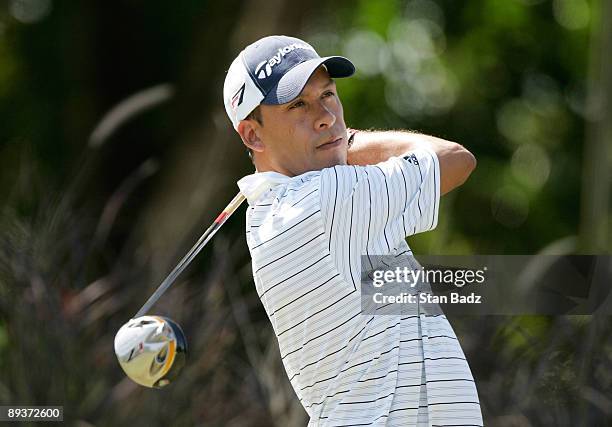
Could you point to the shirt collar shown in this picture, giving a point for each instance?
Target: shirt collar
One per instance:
(254, 185)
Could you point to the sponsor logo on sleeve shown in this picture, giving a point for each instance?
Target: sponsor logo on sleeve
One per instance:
(411, 158)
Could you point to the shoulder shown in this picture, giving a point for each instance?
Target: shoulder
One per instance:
(289, 198)
(290, 209)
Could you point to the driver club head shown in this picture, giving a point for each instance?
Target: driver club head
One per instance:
(151, 350)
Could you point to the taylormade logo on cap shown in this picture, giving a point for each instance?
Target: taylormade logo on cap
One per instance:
(277, 59)
(273, 71)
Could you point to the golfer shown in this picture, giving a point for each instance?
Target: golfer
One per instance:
(322, 198)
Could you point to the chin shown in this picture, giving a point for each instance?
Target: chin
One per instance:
(336, 160)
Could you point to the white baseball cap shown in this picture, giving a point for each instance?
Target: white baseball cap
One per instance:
(273, 71)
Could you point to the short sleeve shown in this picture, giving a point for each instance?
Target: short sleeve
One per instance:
(385, 202)
(417, 176)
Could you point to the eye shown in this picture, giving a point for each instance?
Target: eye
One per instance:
(329, 93)
(296, 105)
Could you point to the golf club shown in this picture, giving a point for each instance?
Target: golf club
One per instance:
(152, 349)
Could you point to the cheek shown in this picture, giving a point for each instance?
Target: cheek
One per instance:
(290, 133)
(340, 115)
(300, 135)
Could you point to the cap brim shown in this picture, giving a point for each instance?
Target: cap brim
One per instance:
(292, 83)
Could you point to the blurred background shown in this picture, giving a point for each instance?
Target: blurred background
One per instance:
(116, 154)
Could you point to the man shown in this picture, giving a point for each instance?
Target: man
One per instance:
(321, 198)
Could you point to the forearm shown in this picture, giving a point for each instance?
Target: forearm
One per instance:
(371, 147)
(456, 162)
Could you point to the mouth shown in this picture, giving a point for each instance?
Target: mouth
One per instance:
(331, 144)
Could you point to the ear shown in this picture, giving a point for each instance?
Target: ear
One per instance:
(249, 131)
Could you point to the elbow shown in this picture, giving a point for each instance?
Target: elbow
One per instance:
(470, 161)
(466, 164)
(456, 167)
(459, 170)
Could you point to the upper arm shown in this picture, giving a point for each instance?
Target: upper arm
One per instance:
(382, 203)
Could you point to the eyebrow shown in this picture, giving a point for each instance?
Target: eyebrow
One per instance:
(330, 82)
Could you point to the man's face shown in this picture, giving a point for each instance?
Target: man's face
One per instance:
(307, 133)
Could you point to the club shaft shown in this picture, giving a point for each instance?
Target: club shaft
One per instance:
(193, 252)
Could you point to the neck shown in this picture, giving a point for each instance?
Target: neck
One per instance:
(264, 165)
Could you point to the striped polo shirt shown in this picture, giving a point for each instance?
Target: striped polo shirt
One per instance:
(306, 235)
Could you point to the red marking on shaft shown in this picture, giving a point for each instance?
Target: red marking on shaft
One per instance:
(221, 217)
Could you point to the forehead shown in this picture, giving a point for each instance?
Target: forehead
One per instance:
(320, 79)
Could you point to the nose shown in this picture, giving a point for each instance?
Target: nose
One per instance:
(325, 117)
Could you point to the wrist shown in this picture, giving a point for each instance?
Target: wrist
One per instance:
(351, 136)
